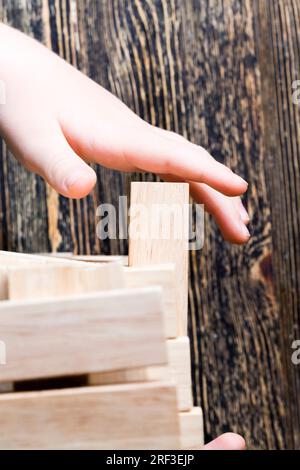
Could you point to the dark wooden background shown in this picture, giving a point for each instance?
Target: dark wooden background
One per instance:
(220, 72)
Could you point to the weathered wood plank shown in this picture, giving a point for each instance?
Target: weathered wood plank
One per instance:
(278, 44)
(235, 322)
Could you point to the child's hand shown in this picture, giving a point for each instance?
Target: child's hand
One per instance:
(56, 120)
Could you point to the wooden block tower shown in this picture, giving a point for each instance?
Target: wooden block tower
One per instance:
(96, 349)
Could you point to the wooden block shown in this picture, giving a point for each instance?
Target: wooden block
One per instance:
(178, 371)
(110, 330)
(123, 260)
(139, 374)
(191, 429)
(6, 387)
(158, 233)
(3, 283)
(160, 275)
(56, 254)
(38, 282)
(91, 258)
(10, 259)
(179, 357)
(132, 416)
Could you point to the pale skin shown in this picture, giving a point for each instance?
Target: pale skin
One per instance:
(56, 121)
(227, 441)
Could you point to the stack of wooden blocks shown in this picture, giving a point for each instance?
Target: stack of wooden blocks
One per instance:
(95, 352)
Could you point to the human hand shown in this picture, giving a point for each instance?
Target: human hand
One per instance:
(227, 441)
(56, 121)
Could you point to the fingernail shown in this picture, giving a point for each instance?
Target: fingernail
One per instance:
(245, 230)
(242, 180)
(244, 214)
(78, 178)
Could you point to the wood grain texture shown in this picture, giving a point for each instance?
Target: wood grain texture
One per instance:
(163, 275)
(191, 429)
(11, 258)
(278, 43)
(218, 72)
(238, 373)
(133, 416)
(33, 283)
(91, 258)
(178, 370)
(179, 359)
(3, 284)
(82, 334)
(158, 233)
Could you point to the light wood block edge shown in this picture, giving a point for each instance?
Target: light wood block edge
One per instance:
(47, 281)
(44, 281)
(109, 330)
(191, 429)
(131, 416)
(11, 258)
(123, 260)
(163, 275)
(178, 371)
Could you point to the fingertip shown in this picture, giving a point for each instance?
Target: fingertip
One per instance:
(244, 233)
(227, 441)
(233, 228)
(80, 183)
(232, 441)
(224, 180)
(243, 183)
(236, 236)
(243, 213)
(225, 210)
(245, 218)
(236, 186)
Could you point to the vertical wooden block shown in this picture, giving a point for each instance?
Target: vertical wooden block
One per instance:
(158, 233)
(191, 429)
(179, 358)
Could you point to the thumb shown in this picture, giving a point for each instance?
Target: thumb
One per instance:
(49, 154)
(227, 441)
